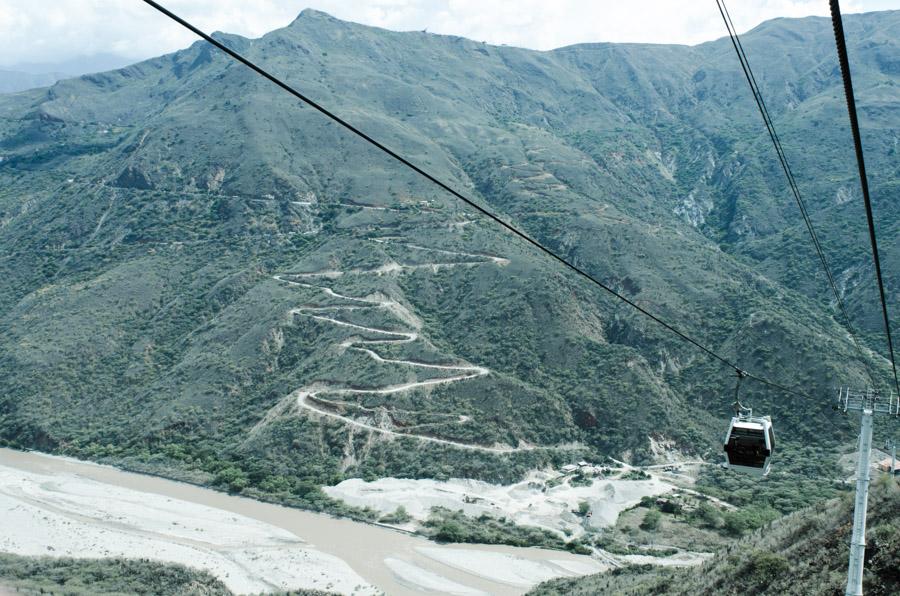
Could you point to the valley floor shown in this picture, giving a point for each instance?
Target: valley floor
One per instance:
(62, 507)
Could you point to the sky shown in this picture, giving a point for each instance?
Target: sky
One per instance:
(53, 31)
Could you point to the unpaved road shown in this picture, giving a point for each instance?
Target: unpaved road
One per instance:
(314, 398)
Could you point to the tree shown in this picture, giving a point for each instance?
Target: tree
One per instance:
(749, 518)
(708, 515)
(670, 506)
(651, 520)
(450, 531)
(233, 478)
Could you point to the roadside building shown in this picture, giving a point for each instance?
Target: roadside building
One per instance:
(885, 465)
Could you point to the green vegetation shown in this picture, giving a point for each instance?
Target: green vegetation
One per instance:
(664, 526)
(734, 523)
(651, 520)
(399, 516)
(804, 475)
(86, 577)
(445, 525)
(636, 475)
(581, 480)
(802, 553)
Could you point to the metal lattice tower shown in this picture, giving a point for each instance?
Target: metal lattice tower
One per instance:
(868, 403)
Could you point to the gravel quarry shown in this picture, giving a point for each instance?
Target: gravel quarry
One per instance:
(533, 501)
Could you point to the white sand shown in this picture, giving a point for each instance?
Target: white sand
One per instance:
(422, 579)
(524, 503)
(66, 515)
(506, 568)
(682, 559)
(580, 567)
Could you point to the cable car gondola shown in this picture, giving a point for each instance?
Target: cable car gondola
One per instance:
(750, 440)
(749, 443)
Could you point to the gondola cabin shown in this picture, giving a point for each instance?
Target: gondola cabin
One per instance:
(749, 445)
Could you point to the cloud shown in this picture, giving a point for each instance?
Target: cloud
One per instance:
(41, 31)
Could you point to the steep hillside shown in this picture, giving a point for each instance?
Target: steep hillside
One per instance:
(201, 276)
(804, 553)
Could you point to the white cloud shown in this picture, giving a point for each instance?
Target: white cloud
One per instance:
(54, 30)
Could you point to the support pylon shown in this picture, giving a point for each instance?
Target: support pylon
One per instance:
(868, 403)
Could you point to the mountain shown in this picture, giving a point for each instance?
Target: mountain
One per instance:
(202, 277)
(22, 76)
(13, 80)
(804, 553)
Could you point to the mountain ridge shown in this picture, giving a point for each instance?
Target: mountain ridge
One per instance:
(152, 210)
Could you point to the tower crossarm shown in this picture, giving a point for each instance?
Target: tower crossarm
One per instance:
(869, 399)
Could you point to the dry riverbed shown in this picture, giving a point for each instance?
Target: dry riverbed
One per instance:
(62, 507)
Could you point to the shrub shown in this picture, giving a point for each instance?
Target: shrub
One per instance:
(708, 516)
(747, 519)
(671, 507)
(764, 567)
(234, 479)
(651, 520)
(636, 475)
(454, 526)
(399, 516)
(450, 531)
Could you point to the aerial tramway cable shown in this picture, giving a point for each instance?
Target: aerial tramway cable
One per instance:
(789, 174)
(251, 65)
(841, 43)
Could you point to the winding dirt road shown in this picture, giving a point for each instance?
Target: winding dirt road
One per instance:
(311, 397)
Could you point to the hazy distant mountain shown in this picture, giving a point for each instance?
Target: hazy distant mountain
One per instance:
(12, 81)
(21, 76)
(199, 274)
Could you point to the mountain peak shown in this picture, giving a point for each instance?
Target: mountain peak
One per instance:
(310, 14)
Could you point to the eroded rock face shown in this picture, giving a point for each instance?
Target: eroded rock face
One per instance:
(132, 177)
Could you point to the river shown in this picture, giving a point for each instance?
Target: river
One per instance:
(60, 506)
